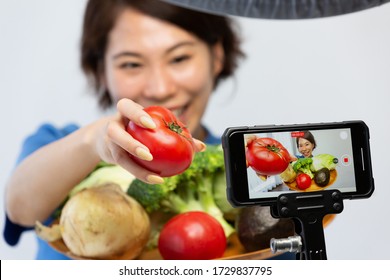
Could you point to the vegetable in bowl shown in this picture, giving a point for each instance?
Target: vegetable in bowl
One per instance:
(323, 161)
(192, 190)
(102, 222)
(303, 165)
(315, 173)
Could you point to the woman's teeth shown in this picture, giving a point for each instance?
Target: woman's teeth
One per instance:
(178, 112)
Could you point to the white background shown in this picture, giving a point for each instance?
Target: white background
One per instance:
(319, 70)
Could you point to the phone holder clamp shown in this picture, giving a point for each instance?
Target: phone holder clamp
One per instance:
(307, 211)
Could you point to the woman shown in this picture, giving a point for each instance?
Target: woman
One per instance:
(136, 53)
(306, 144)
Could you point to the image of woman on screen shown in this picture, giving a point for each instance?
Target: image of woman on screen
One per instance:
(306, 144)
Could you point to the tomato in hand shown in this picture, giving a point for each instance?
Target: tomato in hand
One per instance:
(267, 156)
(170, 143)
(303, 181)
(192, 236)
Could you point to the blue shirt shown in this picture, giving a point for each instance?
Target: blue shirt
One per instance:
(45, 134)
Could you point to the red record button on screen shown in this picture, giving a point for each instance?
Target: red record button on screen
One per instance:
(346, 160)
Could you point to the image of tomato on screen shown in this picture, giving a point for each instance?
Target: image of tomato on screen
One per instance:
(267, 156)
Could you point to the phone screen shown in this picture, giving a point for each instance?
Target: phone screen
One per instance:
(264, 162)
(325, 156)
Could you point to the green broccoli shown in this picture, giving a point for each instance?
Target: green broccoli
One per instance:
(153, 197)
(303, 165)
(191, 190)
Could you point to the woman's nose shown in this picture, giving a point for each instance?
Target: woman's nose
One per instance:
(160, 84)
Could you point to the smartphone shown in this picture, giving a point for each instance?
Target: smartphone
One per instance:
(263, 162)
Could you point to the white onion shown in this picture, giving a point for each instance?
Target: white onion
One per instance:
(104, 223)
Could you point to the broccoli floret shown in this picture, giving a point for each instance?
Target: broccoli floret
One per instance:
(303, 165)
(151, 196)
(191, 190)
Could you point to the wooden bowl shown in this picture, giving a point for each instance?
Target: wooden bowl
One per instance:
(234, 250)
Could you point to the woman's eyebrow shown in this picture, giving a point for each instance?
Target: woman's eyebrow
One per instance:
(125, 53)
(181, 44)
(170, 49)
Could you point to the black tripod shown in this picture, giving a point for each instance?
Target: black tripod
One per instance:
(307, 211)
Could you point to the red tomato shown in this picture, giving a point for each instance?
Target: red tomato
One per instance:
(170, 143)
(192, 236)
(303, 181)
(267, 156)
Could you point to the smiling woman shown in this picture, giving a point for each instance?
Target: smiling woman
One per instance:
(134, 35)
(136, 53)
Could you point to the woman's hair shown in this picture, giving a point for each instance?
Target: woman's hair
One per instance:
(309, 137)
(100, 17)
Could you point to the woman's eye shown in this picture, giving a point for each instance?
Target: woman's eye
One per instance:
(129, 65)
(179, 59)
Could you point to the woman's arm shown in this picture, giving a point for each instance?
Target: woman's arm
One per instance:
(42, 180)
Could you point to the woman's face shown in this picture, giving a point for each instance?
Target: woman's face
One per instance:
(154, 62)
(305, 147)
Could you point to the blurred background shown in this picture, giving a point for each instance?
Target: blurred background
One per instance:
(317, 70)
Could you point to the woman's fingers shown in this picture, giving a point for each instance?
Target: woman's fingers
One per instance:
(134, 112)
(249, 138)
(123, 139)
(123, 144)
(199, 145)
(123, 159)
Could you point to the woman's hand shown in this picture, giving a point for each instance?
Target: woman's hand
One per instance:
(43, 179)
(114, 143)
(249, 138)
